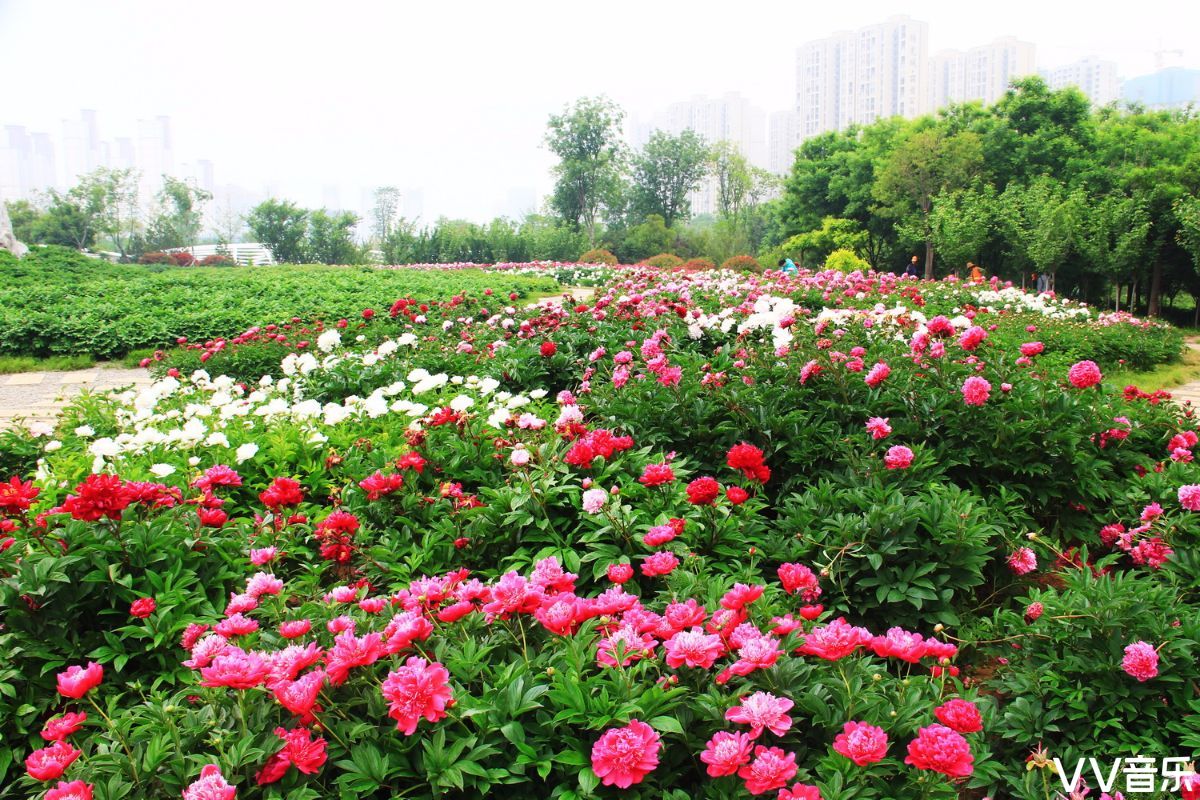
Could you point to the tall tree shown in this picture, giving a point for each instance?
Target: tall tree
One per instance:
(24, 217)
(1041, 222)
(1113, 237)
(385, 212)
(331, 237)
(178, 214)
(665, 172)
(925, 164)
(587, 140)
(961, 223)
(282, 226)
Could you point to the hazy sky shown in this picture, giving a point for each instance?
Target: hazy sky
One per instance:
(452, 97)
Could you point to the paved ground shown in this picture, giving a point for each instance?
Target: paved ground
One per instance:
(29, 397)
(1189, 392)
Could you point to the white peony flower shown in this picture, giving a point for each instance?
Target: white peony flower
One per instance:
(245, 452)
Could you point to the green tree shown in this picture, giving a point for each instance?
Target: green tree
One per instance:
(282, 226)
(665, 172)
(1187, 212)
(961, 222)
(331, 237)
(385, 212)
(1041, 221)
(649, 238)
(178, 214)
(587, 140)
(1112, 237)
(927, 163)
(24, 217)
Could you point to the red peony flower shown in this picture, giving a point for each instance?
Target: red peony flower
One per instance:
(726, 753)
(142, 607)
(703, 491)
(800, 791)
(299, 750)
(61, 727)
(99, 496)
(771, 769)
(282, 493)
(736, 495)
(51, 762)
(17, 496)
(622, 757)
(942, 750)
(75, 790)
(656, 475)
(960, 715)
(548, 349)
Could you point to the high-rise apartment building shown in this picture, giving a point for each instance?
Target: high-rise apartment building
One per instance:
(1093, 76)
(155, 157)
(858, 77)
(27, 163)
(782, 141)
(980, 73)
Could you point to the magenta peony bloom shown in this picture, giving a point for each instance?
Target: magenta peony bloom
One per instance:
(1022, 561)
(800, 791)
(878, 427)
(661, 563)
(695, 648)
(727, 752)
(1140, 661)
(59, 728)
(75, 790)
(417, 690)
(1084, 374)
(975, 391)
(624, 756)
(861, 743)
(771, 769)
(942, 750)
(77, 681)
(51, 762)
(878, 374)
(211, 785)
(1189, 497)
(762, 710)
(898, 457)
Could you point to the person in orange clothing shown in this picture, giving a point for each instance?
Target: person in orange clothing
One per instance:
(976, 274)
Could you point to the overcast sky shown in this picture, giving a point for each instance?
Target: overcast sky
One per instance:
(452, 97)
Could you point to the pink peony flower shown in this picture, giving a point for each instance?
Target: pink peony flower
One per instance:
(695, 648)
(942, 750)
(418, 690)
(960, 715)
(879, 427)
(263, 555)
(799, 578)
(1189, 497)
(762, 710)
(236, 669)
(622, 757)
(898, 457)
(51, 762)
(77, 681)
(619, 573)
(975, 391)
(661, 563)
(726, 752)
(836, 640)
(771, 769)
(1140, 661)
(1022, 561)
(1033, 611)
(75, 790)
(861, 743)
(59, 728)
(878, 374)
(594, 500)
(211, 785)
(1084, 374)
(800, 791)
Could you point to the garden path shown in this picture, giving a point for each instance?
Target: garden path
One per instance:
(1189, 392)
(32, 397)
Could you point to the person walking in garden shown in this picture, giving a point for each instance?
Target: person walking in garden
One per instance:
(913, 269)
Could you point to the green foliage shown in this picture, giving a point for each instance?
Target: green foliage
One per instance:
(586, 138)
(282, 226)
(845, 261)
(598, 257)
(742, 264)
(665, 171)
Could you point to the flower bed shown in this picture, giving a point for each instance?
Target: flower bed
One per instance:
(704, 535)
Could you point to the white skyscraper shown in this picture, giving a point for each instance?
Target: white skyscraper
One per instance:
(858, 77)
(783, 140)
(1095, 77)
(155, 157)
(728, 118)
(981, 73)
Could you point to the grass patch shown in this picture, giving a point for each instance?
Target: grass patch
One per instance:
(1163, 376)
(13, 364)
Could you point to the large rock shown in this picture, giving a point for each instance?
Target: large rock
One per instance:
(7, 240)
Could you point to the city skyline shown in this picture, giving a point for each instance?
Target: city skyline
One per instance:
(466, 133)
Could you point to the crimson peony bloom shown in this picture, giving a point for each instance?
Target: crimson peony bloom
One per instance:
(282, 493)
(63, 726)
(771, 769)
(799, 578)
(1084, 374)
(694, 648)
(861, 743)
(1030, 349)
(379, 485)
(736, 495)
(75, 790)
(417, 690)
(299, 750)
(548, 349)
(726, 752)
(624, 756)
(142, 607)
(51, 762)
(960, 715)
(975, 391)
(212, 517)
(1033, 611)
(747, 458)
(300, 695)
(762, 710)
(1140, 661)
(942, 750)
(17, 496)
(99, 496)
(77, 681)
(703, 491)
(898, 457)
(211, 785)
